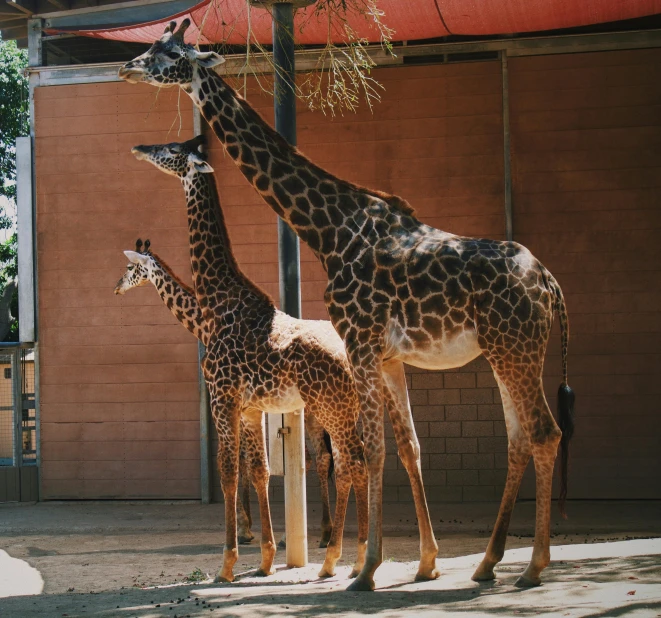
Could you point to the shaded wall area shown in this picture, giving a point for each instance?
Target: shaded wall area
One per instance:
(119, 391)
(586, 142)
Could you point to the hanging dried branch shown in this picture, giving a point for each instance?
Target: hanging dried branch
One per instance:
(342, 76)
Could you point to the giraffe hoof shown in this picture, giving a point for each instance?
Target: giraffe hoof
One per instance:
(526, 582)
(361, 585)
(223, 579)
(354, 573)
(263, 572)
(483, 575)
(427, 577)
(282, 544)
(325, 573)
(245, 540)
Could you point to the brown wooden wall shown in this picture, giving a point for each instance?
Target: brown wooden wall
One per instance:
(585, 140)
(119, 391)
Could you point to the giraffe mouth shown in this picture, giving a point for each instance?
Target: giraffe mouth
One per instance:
(139, 152)
(133, 75)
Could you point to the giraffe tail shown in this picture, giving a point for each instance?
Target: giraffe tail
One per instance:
(327, 442)
(566, 397)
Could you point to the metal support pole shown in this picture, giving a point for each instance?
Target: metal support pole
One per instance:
(206, 429)
(290, 288)
(507, 167)
(205, 433)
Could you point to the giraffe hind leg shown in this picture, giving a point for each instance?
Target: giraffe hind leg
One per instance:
(518, 456)
(323, 458)
(532, 430)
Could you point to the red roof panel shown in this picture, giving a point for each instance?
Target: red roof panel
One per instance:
(226, 21)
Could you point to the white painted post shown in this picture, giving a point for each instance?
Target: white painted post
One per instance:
(276, 446)
(296, 518)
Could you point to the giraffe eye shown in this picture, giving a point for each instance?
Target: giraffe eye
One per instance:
(130, 267)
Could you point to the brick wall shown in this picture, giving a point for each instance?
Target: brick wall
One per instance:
(119, 392)
(585, 158)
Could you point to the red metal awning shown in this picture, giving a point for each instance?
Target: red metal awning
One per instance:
(226, 21)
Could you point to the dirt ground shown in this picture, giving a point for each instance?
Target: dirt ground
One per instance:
(133, 559)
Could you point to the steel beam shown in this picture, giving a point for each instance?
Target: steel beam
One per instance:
(507, 155)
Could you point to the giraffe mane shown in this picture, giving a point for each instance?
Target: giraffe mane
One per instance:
(164, 265)
(394, 201)
(220, 216)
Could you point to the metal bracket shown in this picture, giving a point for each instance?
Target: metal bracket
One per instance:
(283, 431)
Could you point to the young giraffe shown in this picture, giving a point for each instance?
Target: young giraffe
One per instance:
(258, 358)
(145, 267)
(400, 291)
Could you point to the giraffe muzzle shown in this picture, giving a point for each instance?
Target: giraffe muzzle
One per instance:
(132, 75)
(140, 152)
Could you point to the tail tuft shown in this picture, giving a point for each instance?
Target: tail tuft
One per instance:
(566, 400)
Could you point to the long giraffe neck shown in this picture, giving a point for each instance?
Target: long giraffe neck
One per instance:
(326, 212)
(178, 298)
(218, 282)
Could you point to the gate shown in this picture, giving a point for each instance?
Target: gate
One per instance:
(18, 427)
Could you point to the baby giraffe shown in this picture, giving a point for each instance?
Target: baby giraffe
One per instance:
(145, 267)
(260, 359)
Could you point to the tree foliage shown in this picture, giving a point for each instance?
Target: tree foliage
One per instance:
(14, 121)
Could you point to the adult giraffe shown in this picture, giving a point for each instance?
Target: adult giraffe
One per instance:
(400, 291)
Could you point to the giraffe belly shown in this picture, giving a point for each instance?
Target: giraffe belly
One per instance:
(281, 402)
(451, 351)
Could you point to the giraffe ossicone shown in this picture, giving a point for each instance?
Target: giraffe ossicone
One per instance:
(401, 291)
(259, 359)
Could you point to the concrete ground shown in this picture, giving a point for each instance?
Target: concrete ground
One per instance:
(138, 559)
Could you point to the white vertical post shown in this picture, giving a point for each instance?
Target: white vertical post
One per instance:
(26, 257)
(276, 446)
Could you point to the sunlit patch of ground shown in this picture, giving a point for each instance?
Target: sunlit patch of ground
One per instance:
(589, 580)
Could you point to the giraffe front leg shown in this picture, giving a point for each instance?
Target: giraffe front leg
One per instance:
(343, 488)
(260, 474)
(243, 506)
(360, 486)
(408, 447)
(227, 425)
(369, 385)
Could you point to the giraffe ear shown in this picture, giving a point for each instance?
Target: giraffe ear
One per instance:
(208, 59)
(136, 258)
(202, 167)
(199, 163)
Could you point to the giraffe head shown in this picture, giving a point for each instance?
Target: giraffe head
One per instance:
(169, 61)
(177, 159)
(137, 272)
